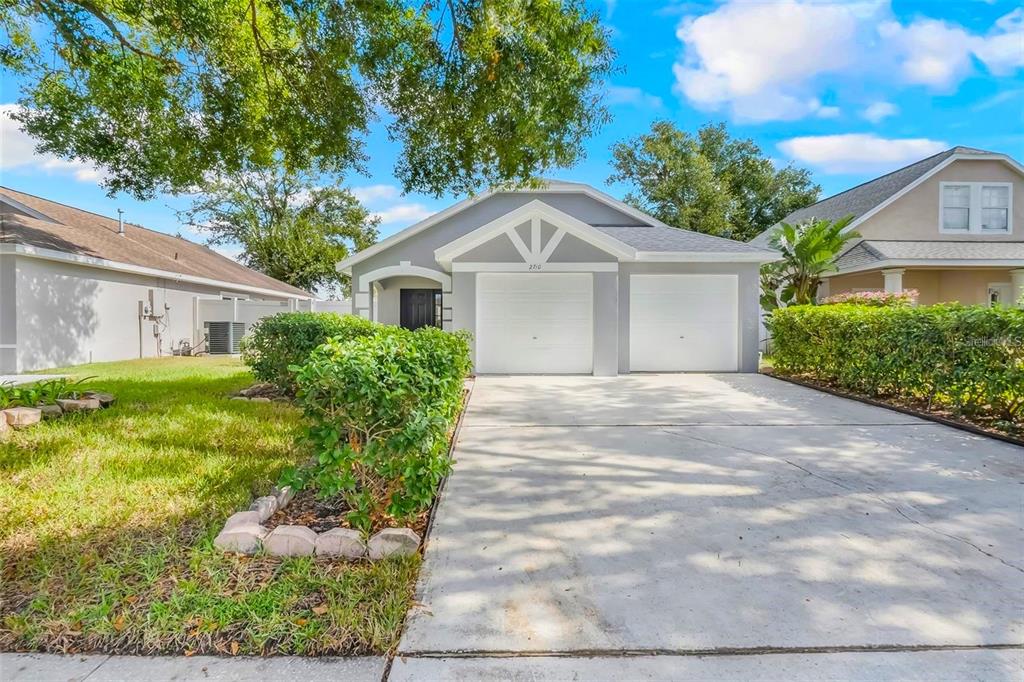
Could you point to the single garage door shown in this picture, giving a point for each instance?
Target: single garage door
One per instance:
(681, 323)
(534, 323)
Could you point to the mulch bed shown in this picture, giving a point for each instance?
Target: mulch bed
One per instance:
(906, 406)
(306, 509)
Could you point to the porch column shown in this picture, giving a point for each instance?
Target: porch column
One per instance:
(1017, 290)
(893, 280)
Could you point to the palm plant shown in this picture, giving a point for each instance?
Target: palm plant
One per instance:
(808, 252)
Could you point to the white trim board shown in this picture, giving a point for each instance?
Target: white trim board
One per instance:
(535, 267)
(104, 264)
(532, 212)
(407, 270)
(551, 187)
(924, 263)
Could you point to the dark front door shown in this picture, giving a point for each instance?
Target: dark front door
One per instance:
(419, 308)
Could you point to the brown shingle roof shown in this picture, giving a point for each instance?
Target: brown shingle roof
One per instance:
(88, 234)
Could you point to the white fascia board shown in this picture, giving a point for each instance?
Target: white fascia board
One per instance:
(345, 266)
(535, 267)
(104, 264)
(532, 209)
(707, 257)
(931, 263)
(1008, 160)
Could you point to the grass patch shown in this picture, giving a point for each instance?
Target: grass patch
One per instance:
(108, 520)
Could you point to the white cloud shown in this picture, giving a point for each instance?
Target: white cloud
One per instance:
(931, 52)
(408, 213)
(879, 110)
(371, 193)
(619, 94)
(997, 99)
(858, 152)
(19, 151)
(762, 59)
(827, 112)
(1002, 50)
(771, 61)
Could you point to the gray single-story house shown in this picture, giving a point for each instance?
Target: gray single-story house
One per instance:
(567, 280)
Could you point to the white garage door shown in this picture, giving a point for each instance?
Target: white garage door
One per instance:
(683, 323)
(534, 323)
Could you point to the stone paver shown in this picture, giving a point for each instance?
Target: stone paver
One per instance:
(346, 543)
(753, 513)
(289, 540)
(393, 542)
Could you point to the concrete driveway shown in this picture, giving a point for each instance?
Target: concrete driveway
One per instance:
(651, 518)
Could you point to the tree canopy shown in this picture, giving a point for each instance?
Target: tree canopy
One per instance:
(288, 226)
(162, 94)
(709, 182)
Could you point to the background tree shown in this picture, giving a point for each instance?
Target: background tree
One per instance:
(288, 227)
(808, 250)
(160, 94)
(709, 182)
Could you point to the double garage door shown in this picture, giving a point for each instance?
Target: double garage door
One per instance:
(543, 323)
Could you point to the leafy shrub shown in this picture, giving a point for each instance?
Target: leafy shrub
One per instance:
(381, 407)
(967, 358)
(276, 343)
(875, 298)
(41, 392)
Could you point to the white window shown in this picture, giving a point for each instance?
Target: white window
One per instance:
(975, 207)
(956, 207)
(995, 208)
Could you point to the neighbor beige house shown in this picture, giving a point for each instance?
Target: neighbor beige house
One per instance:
(947, 226)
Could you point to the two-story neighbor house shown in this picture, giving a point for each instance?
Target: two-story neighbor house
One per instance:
(950, 226)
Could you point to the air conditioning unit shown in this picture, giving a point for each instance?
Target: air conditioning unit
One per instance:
(223, 337)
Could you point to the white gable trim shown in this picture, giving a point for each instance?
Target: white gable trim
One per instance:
(535, 210)
(1009, 161)
(550, 188)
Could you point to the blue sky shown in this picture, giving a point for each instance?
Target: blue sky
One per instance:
(850, 90)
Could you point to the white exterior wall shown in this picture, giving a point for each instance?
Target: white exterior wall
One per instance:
(68, 314)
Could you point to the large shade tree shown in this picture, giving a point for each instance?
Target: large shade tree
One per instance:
(288, 225)
(710, 182)
(162, 94)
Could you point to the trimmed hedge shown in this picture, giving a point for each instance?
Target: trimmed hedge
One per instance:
(969, 359)
(381, 406)
(276, 343)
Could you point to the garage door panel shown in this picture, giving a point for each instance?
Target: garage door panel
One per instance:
(534, 323)
(683, 323)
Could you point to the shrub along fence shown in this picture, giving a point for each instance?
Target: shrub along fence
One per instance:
(380, 401)
(969, 359)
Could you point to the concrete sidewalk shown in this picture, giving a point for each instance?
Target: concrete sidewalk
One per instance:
(53, 668)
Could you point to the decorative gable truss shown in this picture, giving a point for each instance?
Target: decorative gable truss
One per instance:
(534, 247)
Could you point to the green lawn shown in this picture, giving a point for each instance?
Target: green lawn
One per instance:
(107, 521)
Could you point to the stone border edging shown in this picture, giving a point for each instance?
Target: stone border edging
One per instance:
(244, 533)
(970, 428)
(22, 417)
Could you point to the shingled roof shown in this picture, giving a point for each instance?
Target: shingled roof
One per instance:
(858, 200)
(42, 224)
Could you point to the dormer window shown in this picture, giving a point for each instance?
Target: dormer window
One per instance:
(975, 207)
